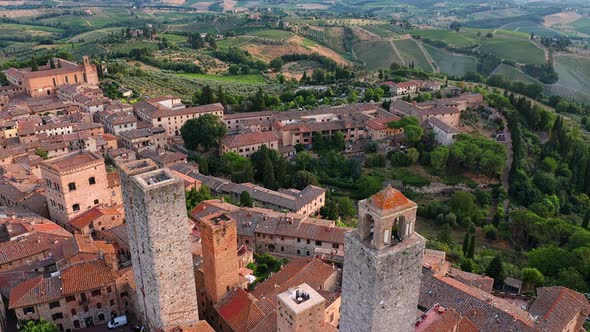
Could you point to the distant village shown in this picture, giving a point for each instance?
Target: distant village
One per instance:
(93, 222)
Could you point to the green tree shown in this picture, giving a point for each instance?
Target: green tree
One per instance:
(444, 235)
(246, 199)
(239, 168)
(276, 64)
(42, 153)
(369, 185)
(572, 278)
(39, 326)
(204, 131)
(346, 207)
(413, 155)
(338, 142)
(462, 204)
(411, 126)
(468, 265)
(206, 96)
(439, 158)
(303, 160)
(471, 248)
(466, 240)
(221, 98)
(303, 179)
(586, 221)
(531, 278)
(52, 64)
(268, 174)
(496, 270)
(34, 66)
(548, 259)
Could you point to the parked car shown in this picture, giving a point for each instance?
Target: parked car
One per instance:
(117, 322)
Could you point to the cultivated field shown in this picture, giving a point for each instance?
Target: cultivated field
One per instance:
(522, 51)
(514, 74)
(412, 53)
(574, 77)
(499, 13)
(529, 27)
(561, 18)
(452, 64)
(253, 79)
(582, 25)
(94, 35)
(272, 34)
(452, 38)
(383, 31)
(376, 54)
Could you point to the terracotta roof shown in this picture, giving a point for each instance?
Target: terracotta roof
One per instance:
(439, 321)
(556, 307)
(486, 311)
(234, 141)
(247, 115)
(28, 245)
(239, 310)
(475, 280)
(95, 275)
(313, 272)
(86, 218)
(34, 291)
(73, 160)
(391, 199)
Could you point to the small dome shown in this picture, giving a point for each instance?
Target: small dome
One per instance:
(391, 198)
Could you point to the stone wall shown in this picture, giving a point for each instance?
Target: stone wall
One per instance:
(380, 288)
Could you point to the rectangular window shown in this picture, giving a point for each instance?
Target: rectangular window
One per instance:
(54, 304)
(308, 241)
(74, 312)
(99, 305)
(70, 298)
(71, 186)
(109, 289)
(57, 316)
(86, 308)
(335, 245)
(29, 310)
(96, 292)
(123, 294)
(318, 243)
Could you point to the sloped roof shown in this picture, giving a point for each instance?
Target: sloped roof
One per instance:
(555, 307)
(34, 291)
(252, 138)
(28, 245)
(239, 310)
(391, 199)
(86, 276)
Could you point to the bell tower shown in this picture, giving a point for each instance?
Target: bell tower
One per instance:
(382, 266)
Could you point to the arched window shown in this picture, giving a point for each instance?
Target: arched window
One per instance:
(370, 226)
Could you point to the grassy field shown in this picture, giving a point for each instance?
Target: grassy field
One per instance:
(272, 34)
(126, 47)
(574, 77)
(383, 31)
(452, 64)
(94, 35)
(253, 79)
(582, 25)
(514, 74)
(529, 27)
(499, 13)
(522, 51)
(376, 54)
(412, 53)
(25, 30)
(452, 38)
(233, 41)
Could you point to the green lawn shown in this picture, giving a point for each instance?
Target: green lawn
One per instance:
(514, 74)
(522, 51)
(381, 30)
(253, 79)
(233, 41)
(94, 35)
(582, 25)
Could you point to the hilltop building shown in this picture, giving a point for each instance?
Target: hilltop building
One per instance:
(45, 81)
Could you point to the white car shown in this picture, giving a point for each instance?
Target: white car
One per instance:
(117, 322)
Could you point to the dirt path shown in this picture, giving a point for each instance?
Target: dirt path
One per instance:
(399, 56)
(427, 55)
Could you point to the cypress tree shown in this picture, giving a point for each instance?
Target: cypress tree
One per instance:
(586, 221)
(34, 66)
(466, 243)
(471, 248)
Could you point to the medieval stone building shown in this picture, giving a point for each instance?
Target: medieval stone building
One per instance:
(382, 266)
(160, 246)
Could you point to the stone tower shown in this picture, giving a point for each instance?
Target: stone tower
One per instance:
(219, 243)
(382, 266)
(160, 246)
(300, 309)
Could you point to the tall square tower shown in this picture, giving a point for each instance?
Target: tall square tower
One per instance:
(219, 243)
(382, 266)
(160, 246)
